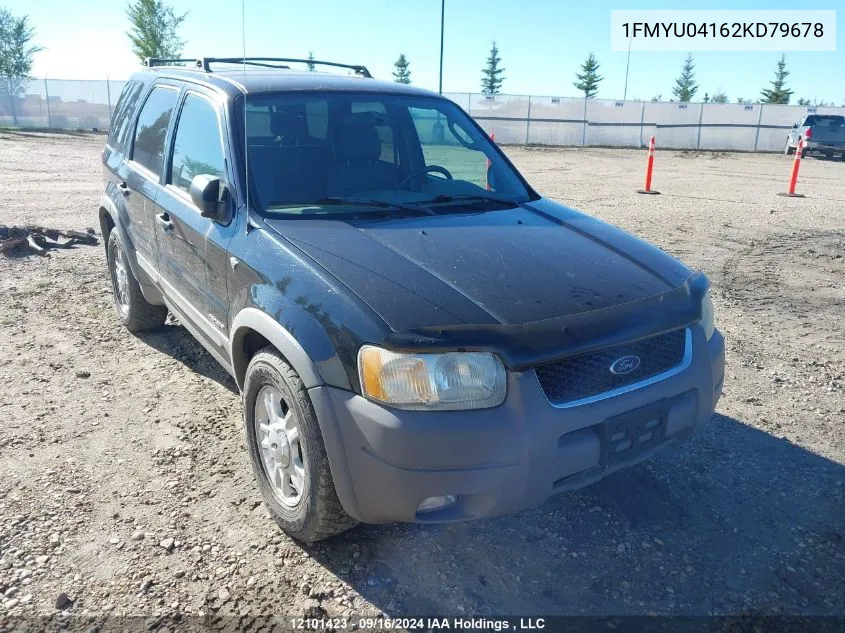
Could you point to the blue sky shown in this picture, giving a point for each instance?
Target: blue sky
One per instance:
(541, 42)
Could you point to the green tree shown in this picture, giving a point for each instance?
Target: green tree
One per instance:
(153, 32)
(16, 55)
(311, 65)
(491, 74)
(685, 86)
(153, 135)
(804, 102)
(778, 93)
(589, 78)
(706, 98)
(402, 74)
(192, 167)
(719, 97)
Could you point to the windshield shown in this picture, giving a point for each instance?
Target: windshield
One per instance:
(333, 153)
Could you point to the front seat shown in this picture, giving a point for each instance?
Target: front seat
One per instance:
(293, 168)
(289, 128)
(358, 168)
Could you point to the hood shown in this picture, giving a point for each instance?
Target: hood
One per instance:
(507, 267)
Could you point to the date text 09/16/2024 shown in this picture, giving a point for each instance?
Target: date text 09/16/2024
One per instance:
(419, 624)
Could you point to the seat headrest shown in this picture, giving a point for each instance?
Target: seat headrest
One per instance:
(290, 127)
(359, 141)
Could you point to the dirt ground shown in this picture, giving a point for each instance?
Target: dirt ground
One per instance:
(124, 482)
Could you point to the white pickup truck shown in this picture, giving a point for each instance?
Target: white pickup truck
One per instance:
(822, 133)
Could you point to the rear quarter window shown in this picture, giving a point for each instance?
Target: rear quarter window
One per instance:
(124, 111)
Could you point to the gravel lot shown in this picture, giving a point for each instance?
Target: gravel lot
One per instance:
(125, 487)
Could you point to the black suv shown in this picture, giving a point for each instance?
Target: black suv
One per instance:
(417, 334)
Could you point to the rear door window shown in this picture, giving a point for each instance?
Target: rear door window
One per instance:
(124, 111)
(151, 131)
(198, 144)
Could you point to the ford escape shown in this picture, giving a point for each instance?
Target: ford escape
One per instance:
(417, 334)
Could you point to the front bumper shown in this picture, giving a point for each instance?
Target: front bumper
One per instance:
(385, 461)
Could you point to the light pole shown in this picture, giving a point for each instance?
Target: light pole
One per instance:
(442, 17)
(627, 66)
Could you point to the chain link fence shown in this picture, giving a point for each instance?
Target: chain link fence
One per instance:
(530, 120)
(514, 119)
(61, 104)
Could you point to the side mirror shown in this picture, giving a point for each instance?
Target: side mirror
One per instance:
(211, 197)
(794, 126)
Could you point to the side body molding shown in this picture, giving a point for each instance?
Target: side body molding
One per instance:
(254, 319)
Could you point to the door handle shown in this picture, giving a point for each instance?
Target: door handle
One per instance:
(164, 222)
(124, 188)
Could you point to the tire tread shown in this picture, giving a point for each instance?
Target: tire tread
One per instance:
(142, 314)
(328, 518)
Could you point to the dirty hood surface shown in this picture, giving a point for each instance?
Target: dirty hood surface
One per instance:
(530, 263)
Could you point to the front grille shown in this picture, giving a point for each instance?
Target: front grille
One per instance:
(589, 374)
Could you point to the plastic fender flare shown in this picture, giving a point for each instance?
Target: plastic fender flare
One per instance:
(111, 210)
(279, 337)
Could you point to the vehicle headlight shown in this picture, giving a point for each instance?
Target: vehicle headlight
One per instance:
(708, 321)
(449, 381)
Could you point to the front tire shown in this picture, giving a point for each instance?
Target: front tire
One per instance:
(133, 310)
(287, 451)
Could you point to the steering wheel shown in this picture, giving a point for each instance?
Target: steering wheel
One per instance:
(430, 168)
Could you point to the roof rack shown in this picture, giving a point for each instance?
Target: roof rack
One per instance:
(152, 62)
(204, 63)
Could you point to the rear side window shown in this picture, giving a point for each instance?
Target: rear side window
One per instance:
(317, 119)
(198, 145)
(258, 121)
(315, 112)
(150, 134)
(121, 121)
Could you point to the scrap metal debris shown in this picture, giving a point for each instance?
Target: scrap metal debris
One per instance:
(38, 240)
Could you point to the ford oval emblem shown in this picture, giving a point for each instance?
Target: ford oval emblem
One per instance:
(625, 365)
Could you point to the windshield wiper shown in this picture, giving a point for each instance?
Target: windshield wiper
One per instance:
(363, 202)
(443, 197)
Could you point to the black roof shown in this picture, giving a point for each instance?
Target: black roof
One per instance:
(234, 81)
